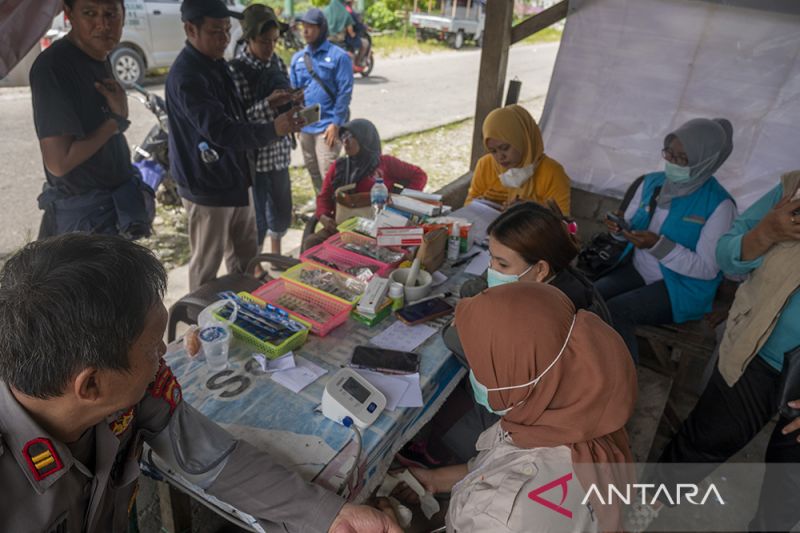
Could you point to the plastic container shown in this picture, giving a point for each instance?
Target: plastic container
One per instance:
(453, 243)
(339, 240)
(295, 273)
(216, 341)
(277, 288)
(272, 351)
(344, 259)
(396, 295)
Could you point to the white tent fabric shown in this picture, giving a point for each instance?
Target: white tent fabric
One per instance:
(630, 71)
(22, 24)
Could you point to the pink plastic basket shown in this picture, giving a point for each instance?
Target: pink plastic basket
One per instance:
(273, 291)
(348, 237)
(327, 255)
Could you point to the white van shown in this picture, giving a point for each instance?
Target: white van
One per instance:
(152, 37)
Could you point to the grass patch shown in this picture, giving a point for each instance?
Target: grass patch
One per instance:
(547, 35)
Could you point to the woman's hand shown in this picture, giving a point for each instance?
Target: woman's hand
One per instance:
(781, 223)
(427, 478)
(794, 425)
(612, 226)
(641, 239)
(328, 223)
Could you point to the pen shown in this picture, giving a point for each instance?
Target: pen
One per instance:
(431, 297)
(464, 260)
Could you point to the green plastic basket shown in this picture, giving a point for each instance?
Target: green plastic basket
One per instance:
(272, 351)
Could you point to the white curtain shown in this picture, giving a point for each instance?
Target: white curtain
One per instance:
(22, 24)
(630, 71)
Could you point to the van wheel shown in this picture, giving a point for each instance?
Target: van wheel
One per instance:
(128, 66)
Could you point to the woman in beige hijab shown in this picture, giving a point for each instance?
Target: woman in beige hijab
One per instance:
(565, 389)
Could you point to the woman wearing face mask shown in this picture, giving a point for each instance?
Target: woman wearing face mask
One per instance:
(530, 242)
(363, 161)
(516, 166)
(564, 385)
(673, 275)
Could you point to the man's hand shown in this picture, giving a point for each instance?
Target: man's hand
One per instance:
(280, 97)
(781, 224)
(428, 478)
(363, 519)
(115, 96)
(331, 135)
(641, 239)
(794, 425)
(289, 122)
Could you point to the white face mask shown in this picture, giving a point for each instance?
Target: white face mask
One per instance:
(513, 178)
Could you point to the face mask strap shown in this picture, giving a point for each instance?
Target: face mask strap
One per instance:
(546, 370)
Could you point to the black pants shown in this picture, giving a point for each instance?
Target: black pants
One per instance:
(724, 420)
(632, 303)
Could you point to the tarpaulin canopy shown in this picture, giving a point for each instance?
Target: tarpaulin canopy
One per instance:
(22, 24)
(630, 71)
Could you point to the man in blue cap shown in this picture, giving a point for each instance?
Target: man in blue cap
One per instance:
(209, 141)
(325, 72)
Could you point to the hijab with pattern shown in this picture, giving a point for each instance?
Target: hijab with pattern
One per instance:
(584, 400)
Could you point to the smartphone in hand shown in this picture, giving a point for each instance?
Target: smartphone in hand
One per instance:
(619, 221)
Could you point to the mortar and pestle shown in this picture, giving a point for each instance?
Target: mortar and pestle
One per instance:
(416, 283)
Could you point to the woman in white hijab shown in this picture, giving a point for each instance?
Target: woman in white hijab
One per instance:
(669, 273)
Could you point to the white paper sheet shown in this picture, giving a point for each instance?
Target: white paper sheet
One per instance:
(298, 378)
(402, 337)
(394, 389)
(437, 279)
(479, 264)
(480, 214)
(412, 397)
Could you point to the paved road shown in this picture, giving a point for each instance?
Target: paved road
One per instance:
(405, 95)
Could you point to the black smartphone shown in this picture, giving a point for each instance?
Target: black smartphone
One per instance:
(383, 360)
(619, 221)
(424, 311)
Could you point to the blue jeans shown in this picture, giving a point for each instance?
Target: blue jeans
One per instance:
(631, 303)
(272, 196)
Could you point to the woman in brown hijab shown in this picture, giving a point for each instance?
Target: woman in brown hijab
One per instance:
(565, 389)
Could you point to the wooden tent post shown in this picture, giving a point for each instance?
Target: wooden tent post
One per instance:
(492, 73)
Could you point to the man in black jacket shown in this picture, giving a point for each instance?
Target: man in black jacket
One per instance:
(209, 140)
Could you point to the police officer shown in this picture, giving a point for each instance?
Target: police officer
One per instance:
(82, 323)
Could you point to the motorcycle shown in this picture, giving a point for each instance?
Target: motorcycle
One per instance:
(367, 63)
(151, 157)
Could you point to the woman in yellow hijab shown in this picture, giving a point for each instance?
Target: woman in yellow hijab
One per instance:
(516, 166)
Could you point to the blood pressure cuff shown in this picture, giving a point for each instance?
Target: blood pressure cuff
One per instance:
(194, 446)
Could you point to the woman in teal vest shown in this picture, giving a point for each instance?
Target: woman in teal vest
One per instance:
(670, 272)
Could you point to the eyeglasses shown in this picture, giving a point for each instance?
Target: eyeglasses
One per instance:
(679, 159)
(346, 135)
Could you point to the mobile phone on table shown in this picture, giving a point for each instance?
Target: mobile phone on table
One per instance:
(619, 221)
(310, 114)
(424, 311)
(383, 360)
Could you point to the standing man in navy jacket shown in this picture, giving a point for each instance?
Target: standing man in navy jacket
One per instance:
(206, 115)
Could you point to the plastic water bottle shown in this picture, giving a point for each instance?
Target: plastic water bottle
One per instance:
(378, 195)
(207, 154)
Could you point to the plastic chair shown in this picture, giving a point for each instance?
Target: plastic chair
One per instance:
(188, 308)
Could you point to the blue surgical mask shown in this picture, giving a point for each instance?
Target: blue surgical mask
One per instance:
(481, 392)
(495, 278)
(677, 174)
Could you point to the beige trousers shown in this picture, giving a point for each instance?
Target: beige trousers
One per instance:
(318, 156)
(217, 232)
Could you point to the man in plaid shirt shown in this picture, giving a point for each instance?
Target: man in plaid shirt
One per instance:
(263, 83)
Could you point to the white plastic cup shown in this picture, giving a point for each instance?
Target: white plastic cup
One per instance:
(216, 340)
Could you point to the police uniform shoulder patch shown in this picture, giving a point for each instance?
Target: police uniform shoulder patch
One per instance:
(121, 423)
(42, 458)
(166, 387)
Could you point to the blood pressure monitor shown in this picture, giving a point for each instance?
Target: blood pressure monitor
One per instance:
(349, 394)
